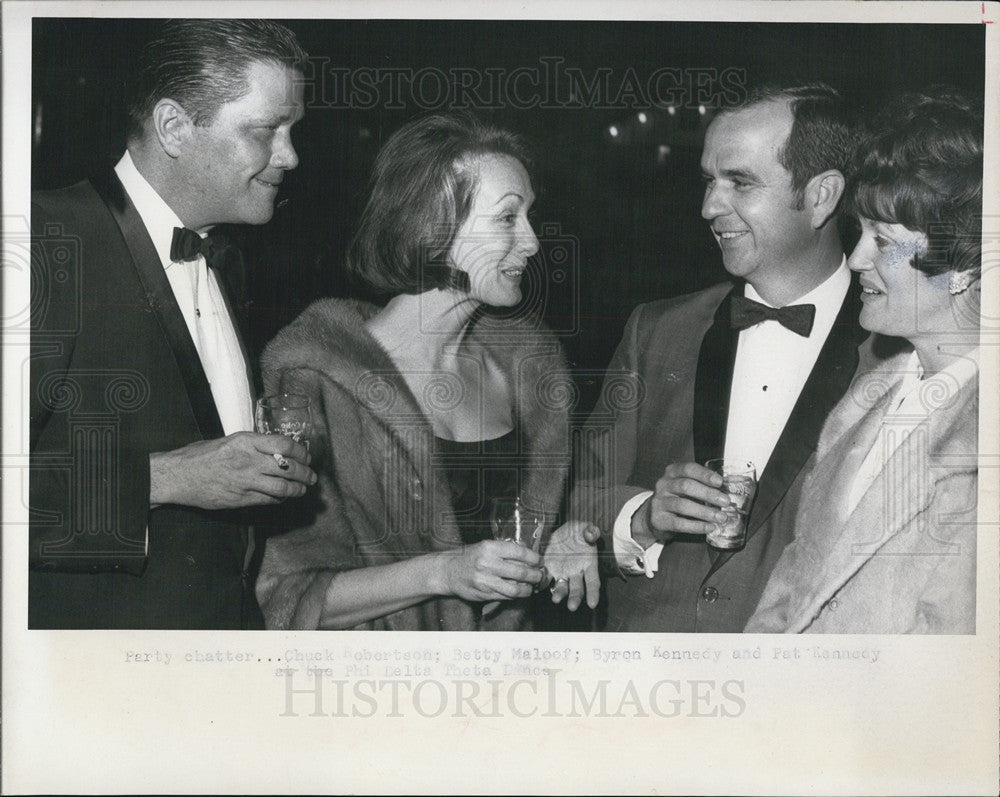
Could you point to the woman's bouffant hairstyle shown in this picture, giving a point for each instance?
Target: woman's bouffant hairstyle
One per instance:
(422, 187)
(921, 165)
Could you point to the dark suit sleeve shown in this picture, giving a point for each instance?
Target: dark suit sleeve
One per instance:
(606, 451)
(89, 483)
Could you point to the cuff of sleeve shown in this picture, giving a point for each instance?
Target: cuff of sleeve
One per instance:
(309, 610)
(630, 556)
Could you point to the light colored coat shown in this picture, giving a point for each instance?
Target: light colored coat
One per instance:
(904, 561)
(382, 497)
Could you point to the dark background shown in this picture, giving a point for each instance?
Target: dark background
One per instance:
(618, 217)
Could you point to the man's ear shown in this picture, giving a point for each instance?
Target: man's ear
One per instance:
(822, 195)
(171, 126)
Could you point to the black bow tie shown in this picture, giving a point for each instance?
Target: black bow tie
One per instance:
(187, 245)
(745, 313)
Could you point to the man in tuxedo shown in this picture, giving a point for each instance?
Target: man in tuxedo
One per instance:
(144, 465)
(747, 369)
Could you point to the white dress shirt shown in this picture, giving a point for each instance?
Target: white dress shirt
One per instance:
(771, 367)
(915, 400)
(201, 303)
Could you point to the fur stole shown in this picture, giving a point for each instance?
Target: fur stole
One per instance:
(378, 500)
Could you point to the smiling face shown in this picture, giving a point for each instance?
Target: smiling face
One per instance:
(749, 201)
(898, 299)
(494, 243)
(232, 167)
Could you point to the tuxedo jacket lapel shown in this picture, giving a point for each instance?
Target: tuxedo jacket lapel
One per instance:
(150, 272)
(713, 381)
(828, 381)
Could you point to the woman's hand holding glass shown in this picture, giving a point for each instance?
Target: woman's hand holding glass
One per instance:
(517, 526)
(571, 559)
(493, 570)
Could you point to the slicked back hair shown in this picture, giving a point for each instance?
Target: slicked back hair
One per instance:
(202, 64)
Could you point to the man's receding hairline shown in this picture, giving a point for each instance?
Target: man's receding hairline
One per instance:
(785, 100)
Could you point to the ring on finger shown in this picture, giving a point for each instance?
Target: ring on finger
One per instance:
(559, 580)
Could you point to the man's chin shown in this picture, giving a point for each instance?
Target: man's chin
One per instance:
(736, 267)
(257, 216)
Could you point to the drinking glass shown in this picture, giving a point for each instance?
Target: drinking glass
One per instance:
(287, 414)
(510, 519)
(739, 481)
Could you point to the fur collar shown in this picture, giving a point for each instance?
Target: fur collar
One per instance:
(328, 353)
(953, 426)
(330, 337)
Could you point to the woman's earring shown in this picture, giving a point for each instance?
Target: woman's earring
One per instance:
(960, 281)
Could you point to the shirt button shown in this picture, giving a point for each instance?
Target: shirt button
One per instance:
(834, 603)
(710, 594)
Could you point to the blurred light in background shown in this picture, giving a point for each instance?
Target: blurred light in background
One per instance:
(36, 127)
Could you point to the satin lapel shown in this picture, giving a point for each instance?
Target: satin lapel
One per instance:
(161, 298)
(827, 383)
(713, 381)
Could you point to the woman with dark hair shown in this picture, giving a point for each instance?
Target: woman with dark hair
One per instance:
(885, 534)
(429, 408)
